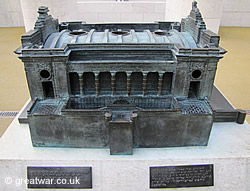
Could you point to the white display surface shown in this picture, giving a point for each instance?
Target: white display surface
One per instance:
(228, 150)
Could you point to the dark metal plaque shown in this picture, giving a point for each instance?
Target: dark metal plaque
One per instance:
(59, 177)
(181, 176)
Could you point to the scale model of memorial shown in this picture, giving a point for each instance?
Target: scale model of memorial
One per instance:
(120, 85)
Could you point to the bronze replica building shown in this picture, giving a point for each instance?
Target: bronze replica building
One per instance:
(120, 85)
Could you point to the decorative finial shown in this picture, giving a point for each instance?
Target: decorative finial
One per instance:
(43, 14)
(194, 5)
(43, 10)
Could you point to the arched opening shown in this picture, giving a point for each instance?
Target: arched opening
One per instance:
(194, 90)
(74, 83)
(136, 83)
(121, 83)
(167, 83)
(89, 83)
(48, 90)
(152, 83)
(105, 83)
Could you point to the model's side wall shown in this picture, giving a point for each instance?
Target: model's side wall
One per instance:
(169, 129)
(90, 129)
(72, 129)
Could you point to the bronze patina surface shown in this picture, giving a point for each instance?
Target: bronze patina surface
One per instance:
(121, 85)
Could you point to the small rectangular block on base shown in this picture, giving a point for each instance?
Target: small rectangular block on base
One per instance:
(121, 135)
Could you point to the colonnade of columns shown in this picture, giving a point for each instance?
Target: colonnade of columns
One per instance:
(120, 83)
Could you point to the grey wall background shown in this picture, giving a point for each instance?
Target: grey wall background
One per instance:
(216, 12)
(11, 13)
(236, 13)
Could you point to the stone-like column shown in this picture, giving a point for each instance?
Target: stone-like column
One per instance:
(113, 82)
(160, 80)
(97, 83)
(144, 82)
(128, 83)
(81, 83)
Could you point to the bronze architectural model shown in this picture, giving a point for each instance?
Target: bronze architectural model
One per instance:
(121, 85)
